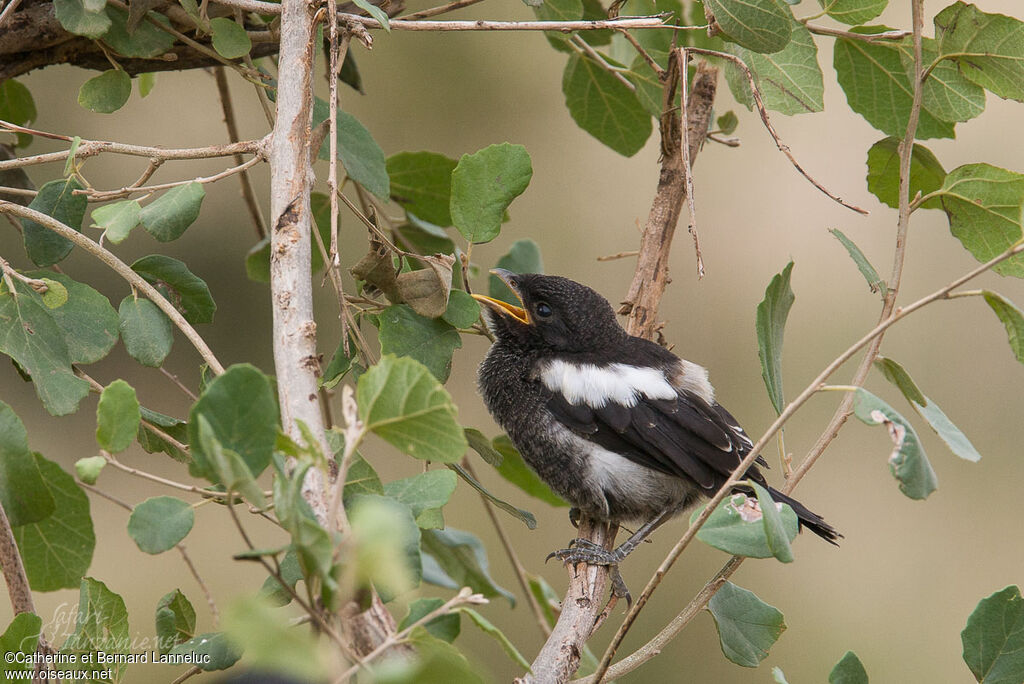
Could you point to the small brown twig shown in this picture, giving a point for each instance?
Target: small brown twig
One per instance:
(643, 53)
(683, 57)
(107, 195)
(123, 270)
(619, 255)
(581, 45)
(762, 110)
(850, 35)
(248, 194)
(177, 383)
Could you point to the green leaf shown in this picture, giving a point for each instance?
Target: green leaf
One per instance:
(107, 92)
(404, 404)
(146, 331)
(479, 443)
(187, 291)
(728, 122)
(117, 417)
(102, 625)
(853, 12)
(875, 282)
(772, 313)
(375, 12)
(241, 408)
(211, 651)
(29, 335)
(56, 294)
(422, 183)
(988, 48)
(16, 103)
(947, 94)
(88, 322)
(175, 621)
(908, 462)
(153, 443)
(431, 341)
(291, 573)
(74, 16)
(790, 80)
(993, 639)
(1012, 318)
(463, 311)
(357, 150)
(144, 41)
(23, 493)
(117, 219)
(21, 636)
(926, 173)
(89, 468)
(146, 83)
(759, 25)
(737, 527)
(514, 469)
(57, 200)
(603, 106)
(229, 38)
(983, 204)
(57, 550)
(878, 88)
(423, 492)
(949, 433)
(898, 376)
(483, 185)
(463, 558)
(444, 627)
(775, 532)
(339, 365)
(387, 544)
(361, 479)
(848, 670)
(490, 630)
(747, 626)
(225, 466)
(522, 257)
(159, 523)
(271, 646)
(436, 662)
(649, 88)
(520, 514)
(167, 217)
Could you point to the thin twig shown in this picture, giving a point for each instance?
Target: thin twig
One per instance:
(771, 129)
(583, 45)
(248, 194)
(354, 432)
(728, 142)
(106, 195)
(123, 270)
(18, 192)
(177, 383)
(187, 674)
(683, 56)
(208, 493)
(662, 73)
(850, 35)
(619, 255)
(91, 148)
(513, 557)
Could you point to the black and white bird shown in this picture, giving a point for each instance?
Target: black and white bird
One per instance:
(622, 428)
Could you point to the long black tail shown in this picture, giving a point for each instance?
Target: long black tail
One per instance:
(812, 521)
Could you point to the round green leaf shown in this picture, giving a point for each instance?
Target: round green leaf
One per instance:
(74, 16)
(146, 331)
(422, 183)
(158, 524)
(56, 294)
(145, 40)
(187, 291)
(24, 495)
(89, 468)
(229, 38)
(117, 417)
(992, 638)
(484, 184)
(747, 626)
(107, 92)
(55, 199)
(117, 219)
(167, 217)
(603, 106)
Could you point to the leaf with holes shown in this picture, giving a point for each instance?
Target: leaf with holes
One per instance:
(908, 462)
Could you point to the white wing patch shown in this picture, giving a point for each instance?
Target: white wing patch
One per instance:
(595, 386)
(694, 379)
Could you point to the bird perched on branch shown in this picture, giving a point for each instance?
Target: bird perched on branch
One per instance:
(619, 426)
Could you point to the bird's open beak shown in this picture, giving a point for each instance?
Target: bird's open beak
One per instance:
(518, 313)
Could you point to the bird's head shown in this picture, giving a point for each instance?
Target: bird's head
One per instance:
(555, 314)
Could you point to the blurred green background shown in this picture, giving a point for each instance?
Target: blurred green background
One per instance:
(899, 589)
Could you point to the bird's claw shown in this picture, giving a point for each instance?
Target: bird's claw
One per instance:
(586, 551)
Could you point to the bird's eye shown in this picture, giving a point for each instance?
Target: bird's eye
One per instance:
(542, 309)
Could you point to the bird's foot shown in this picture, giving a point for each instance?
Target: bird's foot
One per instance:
(586, 551)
